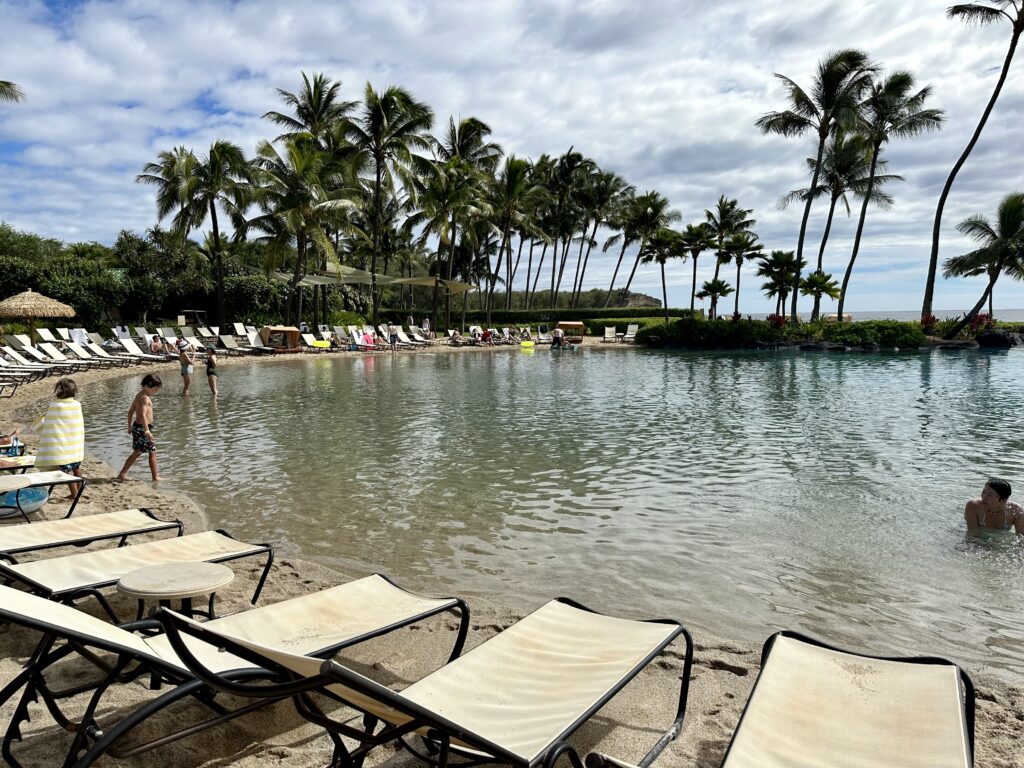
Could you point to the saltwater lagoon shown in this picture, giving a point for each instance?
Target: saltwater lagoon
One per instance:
(739, 492)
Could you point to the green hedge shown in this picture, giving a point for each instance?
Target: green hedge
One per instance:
(696, 333)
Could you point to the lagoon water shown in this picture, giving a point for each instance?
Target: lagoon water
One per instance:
(738, 492)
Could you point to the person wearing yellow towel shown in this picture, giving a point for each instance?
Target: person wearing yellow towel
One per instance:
(61, 433)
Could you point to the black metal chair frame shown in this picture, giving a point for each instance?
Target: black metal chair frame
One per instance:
(439, 749)
(70, 596)
(9, 554)
(90, 742)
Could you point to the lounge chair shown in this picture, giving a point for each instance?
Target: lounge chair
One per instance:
(48, 480)
(46, 335)
(64, 334)
(72, 577)
(515, 699)
(231, 347)
(411, 343)
(630, 336)
(79, 352)
(813, 704)
(357, 339)
(205, 334)
(239, 330)
(81, 530)
(312, 344)
(59, 357)
(543, 337)
(32, 372)
(35, 359)
(8, 387)
(133, 349)
(142, 334)
(257, 346)
(101, 353)
(316, 625)
(610, 336)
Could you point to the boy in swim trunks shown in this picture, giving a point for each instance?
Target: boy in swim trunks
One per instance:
(994, 510)
(140, 426)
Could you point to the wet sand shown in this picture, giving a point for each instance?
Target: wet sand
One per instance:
(723, 674)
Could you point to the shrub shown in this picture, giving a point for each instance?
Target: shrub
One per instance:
(698, 333)
(345, 318)
(981, 322)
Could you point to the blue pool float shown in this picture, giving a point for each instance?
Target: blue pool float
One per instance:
(32, 499)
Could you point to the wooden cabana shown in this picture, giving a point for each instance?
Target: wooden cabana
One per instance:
(281, 338)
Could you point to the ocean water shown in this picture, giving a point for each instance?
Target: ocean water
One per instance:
(737, 492)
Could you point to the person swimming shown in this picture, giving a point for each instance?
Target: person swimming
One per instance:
(994, 510)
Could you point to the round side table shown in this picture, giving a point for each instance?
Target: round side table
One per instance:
(176, 581)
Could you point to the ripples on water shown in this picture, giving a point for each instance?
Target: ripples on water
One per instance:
(739, 492)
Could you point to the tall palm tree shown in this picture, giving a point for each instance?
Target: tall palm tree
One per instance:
(651, 213)
(623, 219)
(11, 92)
(317, 108)
(1001, 250)
(740, 247)
(387, 128)
(831, 102)
(467, 140)
(663, 245)
(714, 290)
(818, 284)
(601, 196)
(845, 168)
(566, 179)
(778, 268)
(892, 110)
(723, 221)
(220, 180)
(995, 12)
(696, 239)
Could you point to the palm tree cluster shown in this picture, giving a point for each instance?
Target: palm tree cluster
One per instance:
(854, 111)
(366, 184)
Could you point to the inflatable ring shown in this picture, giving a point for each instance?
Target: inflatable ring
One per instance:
(526, 344)
(32, 499)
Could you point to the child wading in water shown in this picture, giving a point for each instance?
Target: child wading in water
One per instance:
(140, 426)
(62, 433)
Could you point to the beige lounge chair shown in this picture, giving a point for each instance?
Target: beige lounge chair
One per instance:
(631, 330)
(815, 705)
(515, 699)
(609, 335)
(102, 354)
(81, 530)
(317, 625)
(83, 575)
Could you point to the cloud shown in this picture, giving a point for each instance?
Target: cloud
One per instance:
(663, 93)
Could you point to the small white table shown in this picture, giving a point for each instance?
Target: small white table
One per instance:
(176, 581)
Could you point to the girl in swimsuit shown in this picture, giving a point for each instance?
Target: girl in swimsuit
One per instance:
(994, 510)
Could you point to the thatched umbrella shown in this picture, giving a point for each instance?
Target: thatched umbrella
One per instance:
(29, 305)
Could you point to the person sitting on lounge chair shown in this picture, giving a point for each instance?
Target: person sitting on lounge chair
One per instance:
(156, 347)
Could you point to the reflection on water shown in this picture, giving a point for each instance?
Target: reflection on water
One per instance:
(737, 492)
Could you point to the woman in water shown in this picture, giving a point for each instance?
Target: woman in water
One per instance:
(994, 510)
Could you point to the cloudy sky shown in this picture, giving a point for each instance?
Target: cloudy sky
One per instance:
(664, 93)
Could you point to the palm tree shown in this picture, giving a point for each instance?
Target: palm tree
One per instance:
(467, 140)
(317, 108)
(818, 284)
(219, 180)
(623, 218)
(832, 102)
(663, 245)
(567, 176)
(1002, 250)
(724, 221)
(740, 247)
(714, 290)
(602, 195)
(845, 168)
(891, 111)
(651, 212)
(389, 125)
(696, 238)
(11, 92)
(778, 268)
(982, 15)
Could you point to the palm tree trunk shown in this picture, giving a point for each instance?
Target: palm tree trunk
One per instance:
(540, 266)
(822, 138)
(554, 269)
(529, 271)
(579, 263)
(825, 234)
(977, 307)
(860, 230)
(991, 312)
(625, 291)
(218, 259)
(736, 306)
(933, 259)
(512, 277)
(437, 285)
(379, 164)
(451, 262)
(462, 322)
(494, 275)
(718, 260)
(618, 264)
(664, 291)
(586, 260)
(561, 268)
(693, 288)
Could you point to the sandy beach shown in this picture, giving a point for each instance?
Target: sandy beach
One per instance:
(724, 671)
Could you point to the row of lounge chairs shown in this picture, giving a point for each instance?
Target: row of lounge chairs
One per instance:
(612, 336)
(516, 699)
